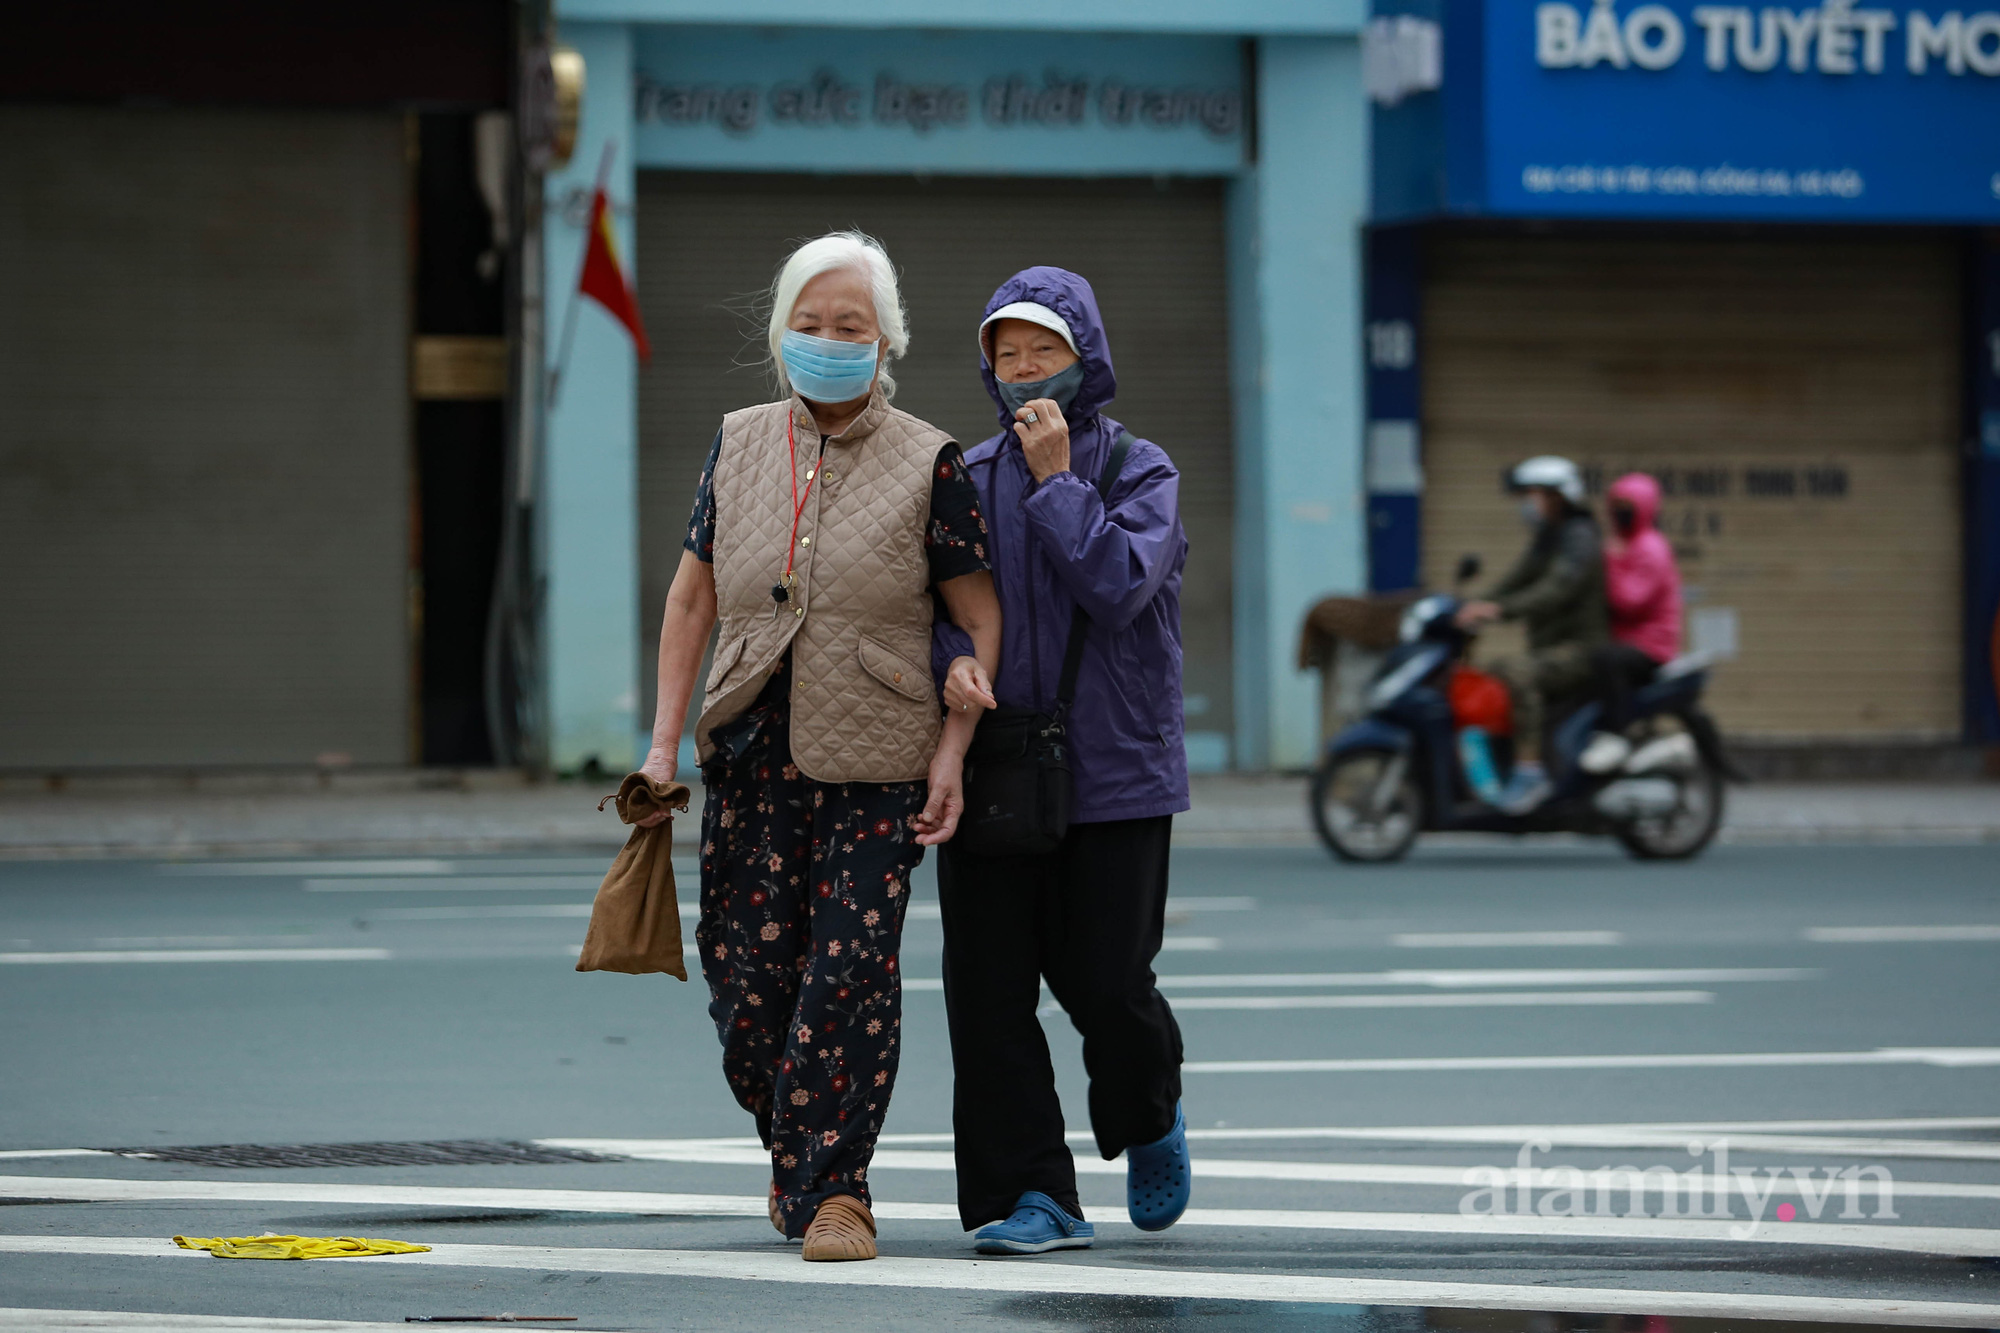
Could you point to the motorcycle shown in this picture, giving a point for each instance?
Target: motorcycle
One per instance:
(1399, 770)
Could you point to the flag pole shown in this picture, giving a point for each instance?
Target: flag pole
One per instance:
(576, 288)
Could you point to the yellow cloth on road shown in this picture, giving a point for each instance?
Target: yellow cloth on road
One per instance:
(295, 1247)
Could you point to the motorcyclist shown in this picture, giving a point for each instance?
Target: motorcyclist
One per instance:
(1557, 590)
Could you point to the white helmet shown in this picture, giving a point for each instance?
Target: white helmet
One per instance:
(1558, 474)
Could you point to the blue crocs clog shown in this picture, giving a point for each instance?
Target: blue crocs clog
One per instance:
(1038, 1224)
(1159, 1178)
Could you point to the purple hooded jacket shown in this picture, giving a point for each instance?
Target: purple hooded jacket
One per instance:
(1056, 545)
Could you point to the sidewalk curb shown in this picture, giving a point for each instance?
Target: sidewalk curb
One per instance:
(1236, 811)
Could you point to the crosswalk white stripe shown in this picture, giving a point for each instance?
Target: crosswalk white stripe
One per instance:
(1902, 934)
(1066, 1278)
(1521, 1133)
(441, 883)
(492, 911)
(750, 1153)
(135, 1321)
(201, 956)
(1511, 999)
(1507, 939)
(1948, 1057)
(417, 866)
(1449, 978)
(1911, 1239)
(1747, 1136)
(477, 865)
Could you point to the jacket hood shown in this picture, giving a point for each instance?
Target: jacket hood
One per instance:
(1641, 492)
(1069, 296)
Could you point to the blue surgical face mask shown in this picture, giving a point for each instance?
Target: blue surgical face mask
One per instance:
(827, 370)
(1061, 387)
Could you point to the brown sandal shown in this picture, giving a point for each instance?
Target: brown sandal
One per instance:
(843, 1229)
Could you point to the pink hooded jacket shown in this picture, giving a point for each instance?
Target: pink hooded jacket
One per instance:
(1641, 580)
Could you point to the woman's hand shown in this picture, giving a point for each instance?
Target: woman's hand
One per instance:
(661, 766)
(966, 684)
(938, 820)
(1044, 438)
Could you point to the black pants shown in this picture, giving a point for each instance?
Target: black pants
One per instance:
(1088, 917)
(1622, 670)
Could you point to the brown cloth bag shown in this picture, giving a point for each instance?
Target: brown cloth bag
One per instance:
(635, 924)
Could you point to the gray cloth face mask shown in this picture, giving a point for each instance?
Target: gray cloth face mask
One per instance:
(1062, 387)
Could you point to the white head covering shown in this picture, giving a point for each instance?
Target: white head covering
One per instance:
(1550, 470)
(1032, 311)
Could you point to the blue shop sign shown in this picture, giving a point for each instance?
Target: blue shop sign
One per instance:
(840, 100)
(1670, 108)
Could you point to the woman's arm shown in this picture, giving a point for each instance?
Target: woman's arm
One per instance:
(974, 608)
(684, 631)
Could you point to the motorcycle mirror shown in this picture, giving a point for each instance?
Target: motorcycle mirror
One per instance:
(1468, 567)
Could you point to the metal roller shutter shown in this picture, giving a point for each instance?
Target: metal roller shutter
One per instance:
(709, 245)
(1798, 399)
(203, 473)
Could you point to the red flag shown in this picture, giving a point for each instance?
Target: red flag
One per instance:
(604, 280)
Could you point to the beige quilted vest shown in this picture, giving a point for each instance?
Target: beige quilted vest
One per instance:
(859, 619)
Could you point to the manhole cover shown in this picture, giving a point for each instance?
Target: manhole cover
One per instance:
(446, 1152)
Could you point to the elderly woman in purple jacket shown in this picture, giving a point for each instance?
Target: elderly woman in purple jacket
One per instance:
(1087, 917)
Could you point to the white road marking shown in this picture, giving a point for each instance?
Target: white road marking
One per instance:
(1194, 903)
(1441, 978)
(1509, 939)
(1518, 999)
(1187, 943)
(1947, 1057)
(194, 941)
(134, 1321)
(472, 883)
(492, 911)
(420, 866)
(1491, 977)
(1901, 934)
(1494, 976)
(750, 1153)
(502, 865)
(1774, 1136)
(780, 1264)
(1875, 1236)
(202, 956)
(55, 1152)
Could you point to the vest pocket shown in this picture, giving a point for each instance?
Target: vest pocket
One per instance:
(726, 658)
(895, 671)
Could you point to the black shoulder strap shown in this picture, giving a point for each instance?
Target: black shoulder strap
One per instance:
(1079, 621)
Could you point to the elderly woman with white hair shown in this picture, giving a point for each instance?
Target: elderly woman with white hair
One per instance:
(827, 527)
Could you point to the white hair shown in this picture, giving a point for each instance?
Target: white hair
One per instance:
(841, 250)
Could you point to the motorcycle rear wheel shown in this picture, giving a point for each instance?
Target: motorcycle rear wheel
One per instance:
(1341, 808)
(1691, 826)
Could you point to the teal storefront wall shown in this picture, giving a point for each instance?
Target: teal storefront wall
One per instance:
(1282, 119)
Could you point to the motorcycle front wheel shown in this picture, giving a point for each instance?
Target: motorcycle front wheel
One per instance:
(1364, 809)
(1688, 827)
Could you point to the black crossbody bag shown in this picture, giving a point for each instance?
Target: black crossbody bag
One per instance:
(1018, 788)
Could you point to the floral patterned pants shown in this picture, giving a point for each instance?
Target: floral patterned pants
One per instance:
(803, 890)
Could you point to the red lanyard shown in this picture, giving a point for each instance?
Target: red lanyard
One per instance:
(798, 501)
